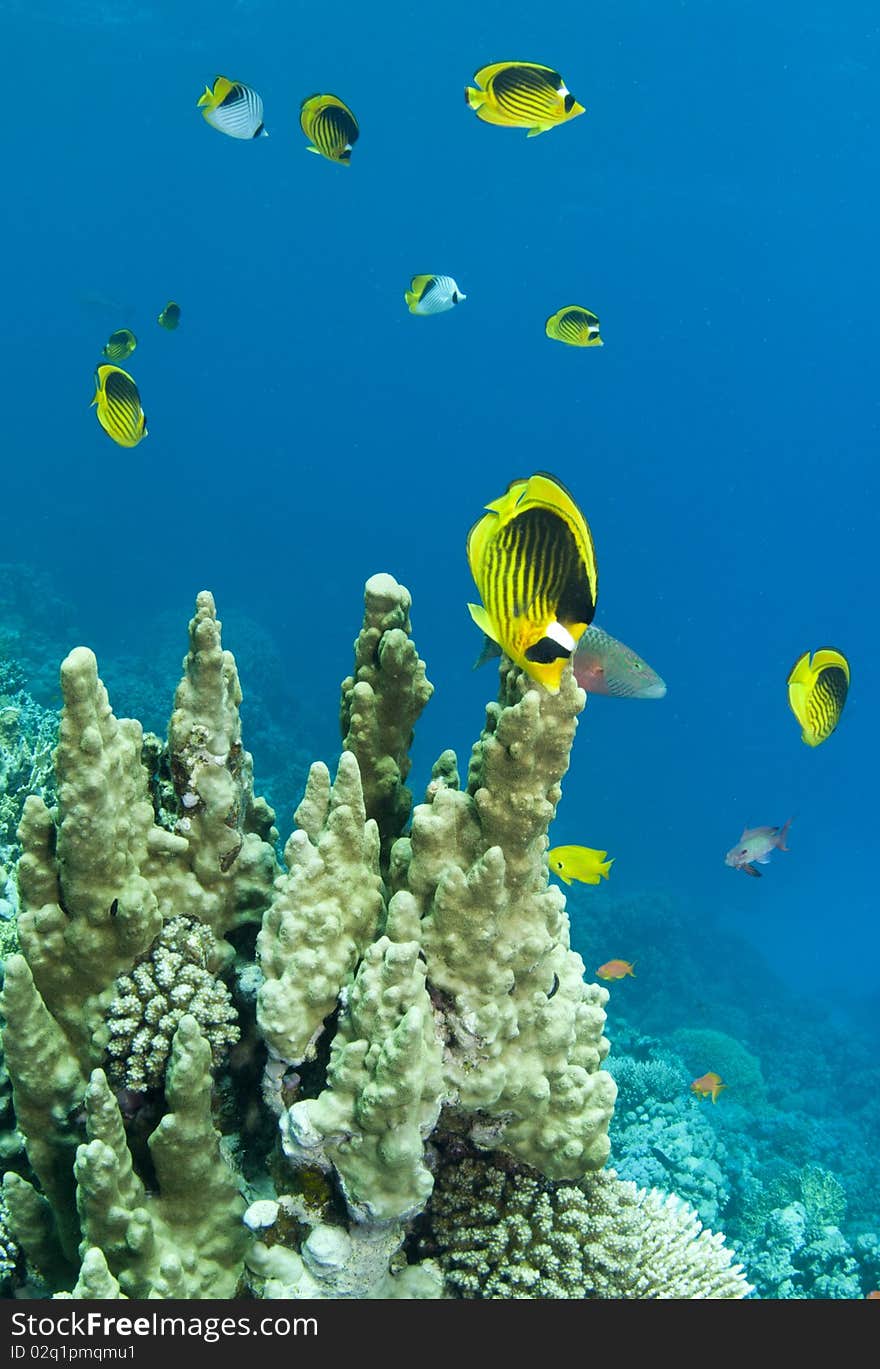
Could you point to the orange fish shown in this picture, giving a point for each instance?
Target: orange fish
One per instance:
(708, 1085)
(616, 969)
(874, 1294)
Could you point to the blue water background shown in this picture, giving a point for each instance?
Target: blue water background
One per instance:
(716, 207)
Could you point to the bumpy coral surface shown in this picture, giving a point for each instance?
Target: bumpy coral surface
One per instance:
(174, 977)
(504, 1232)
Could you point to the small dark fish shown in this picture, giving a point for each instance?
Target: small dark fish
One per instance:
(170, 316)
(555, 986)
(114, 907)
(229, 857)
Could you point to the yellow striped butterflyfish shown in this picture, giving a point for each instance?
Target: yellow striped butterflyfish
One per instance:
(170, 316)
(233, 108)
(119, 345)
(574, 325)
(119, 406)
(330, 126)
(533, 562)
(817, 691)
(522, 95)
(432, 294)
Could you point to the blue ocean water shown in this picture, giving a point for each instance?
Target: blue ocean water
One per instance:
(716, 207)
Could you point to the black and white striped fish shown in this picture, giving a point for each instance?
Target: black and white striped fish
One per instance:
(233, 108)
(432, 294)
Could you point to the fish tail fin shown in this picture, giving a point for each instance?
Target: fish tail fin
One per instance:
(473, 97)
(411, 298)
(606, 866)
(206, 98)
(781, 835)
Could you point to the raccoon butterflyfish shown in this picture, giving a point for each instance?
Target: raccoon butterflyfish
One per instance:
(119, 345)
(119, 406)
(233, 108)
(817, 691)
(170, 316)
(532, 558)
(331, 127)
(574, 325)
(582, 863)
(522, 95)
(433, 294)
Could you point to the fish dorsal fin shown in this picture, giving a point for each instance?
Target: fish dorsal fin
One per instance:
(481, 618)
(419, 284)
(827, 656)
(800, 672)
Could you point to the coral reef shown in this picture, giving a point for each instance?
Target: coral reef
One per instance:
(173, 979)
(499, 1232)
(28, 734)
(414, 1023)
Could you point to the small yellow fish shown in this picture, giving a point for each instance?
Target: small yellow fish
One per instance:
(533, 562)
(579, 862)
(574, 325)
(817, 691)
(119, 345)
(170, 316)
(119, 406)
(522, 95)
(330, 126)
(233, 108)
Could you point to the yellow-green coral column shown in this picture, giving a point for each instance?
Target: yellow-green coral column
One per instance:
(524, 1030)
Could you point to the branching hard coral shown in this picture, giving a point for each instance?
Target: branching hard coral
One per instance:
(420, 1002)
(325, 913)
(187, 1241)
(28, 734)
(502, 1231)
(384, 1082)
(174, 978)
(381, 703)
(523, 1030)
(9, 1251)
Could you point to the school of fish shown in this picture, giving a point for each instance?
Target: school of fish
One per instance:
(531, 553)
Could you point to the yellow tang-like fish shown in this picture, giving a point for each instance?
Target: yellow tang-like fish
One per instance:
(579, 862)
(574, 325)
(331, 127)
(233, 108)
(170, 316)
(532, 558)
(817, 691)
(119, 406)
(119, 345)
(522, 95)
